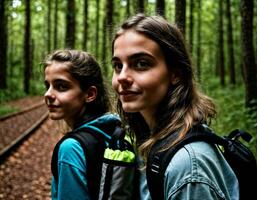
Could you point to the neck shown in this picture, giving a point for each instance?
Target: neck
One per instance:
(149, 119)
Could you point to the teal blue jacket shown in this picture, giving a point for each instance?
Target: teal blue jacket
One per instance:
(197, 171)
(72, 169)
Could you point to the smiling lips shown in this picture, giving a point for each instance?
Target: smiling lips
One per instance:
(128, 95)
(51, 107)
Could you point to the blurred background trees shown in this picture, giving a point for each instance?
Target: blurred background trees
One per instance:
(221, 36)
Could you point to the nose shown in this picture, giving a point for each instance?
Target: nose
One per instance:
(125, 76)
(49, 96)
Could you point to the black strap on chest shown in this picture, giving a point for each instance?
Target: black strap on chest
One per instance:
(157, 161)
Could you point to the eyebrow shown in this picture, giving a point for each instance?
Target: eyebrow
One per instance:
(134, 56)
(58, 81)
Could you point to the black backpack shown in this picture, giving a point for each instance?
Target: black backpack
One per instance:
(239, 157)
(107, 178)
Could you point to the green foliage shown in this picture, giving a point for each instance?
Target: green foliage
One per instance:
(4, 110)
(7, 95)
(232, 113)
(229, 100)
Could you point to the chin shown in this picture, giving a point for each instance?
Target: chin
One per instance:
(130, 109)
(54, 116)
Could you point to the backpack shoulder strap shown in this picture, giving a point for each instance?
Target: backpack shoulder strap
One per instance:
(54, 161)
(93, 146)
(158, 161)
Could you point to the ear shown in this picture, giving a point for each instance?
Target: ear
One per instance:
(91, 94)
(174, 79)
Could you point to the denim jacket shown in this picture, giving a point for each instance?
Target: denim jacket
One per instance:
(197, 171)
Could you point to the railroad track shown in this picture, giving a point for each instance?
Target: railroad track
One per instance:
(16, 127)
(25, 171)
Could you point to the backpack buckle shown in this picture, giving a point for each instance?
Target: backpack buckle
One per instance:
(155, 166)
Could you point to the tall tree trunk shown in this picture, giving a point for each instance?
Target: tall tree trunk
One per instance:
(198, 49)
(26, 50)
(110, 11)
(108, 35)
(191, 25)
(10, 44)
(180, 15)
(11, 59)
(160, 7)
(32, 56)
(3, 46)
(246, 8)
(231, 60)
(97, 28)
(70, 24)
(255, 30)
(85, 24)
(49, 13)
(104, 50)
(221, 46)
(109, 17)
(140, 6)
(55, 24)
(128, 8)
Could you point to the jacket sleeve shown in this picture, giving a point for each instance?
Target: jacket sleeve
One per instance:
(72, 183)
(196, 191)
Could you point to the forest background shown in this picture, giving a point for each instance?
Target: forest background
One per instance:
(221, 36)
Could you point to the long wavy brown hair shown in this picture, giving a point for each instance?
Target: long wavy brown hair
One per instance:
(184, 105)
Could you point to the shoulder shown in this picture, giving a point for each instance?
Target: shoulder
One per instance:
(71, 152)
(202, 165)
(192, 156)
(70, 145)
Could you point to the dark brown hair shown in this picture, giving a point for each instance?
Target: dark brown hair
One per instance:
(84, 68)
(184, 105)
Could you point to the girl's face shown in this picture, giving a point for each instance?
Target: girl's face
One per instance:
(63, 96)
(141, 77)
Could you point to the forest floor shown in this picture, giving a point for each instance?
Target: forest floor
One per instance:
(26, 172)
(24, 102)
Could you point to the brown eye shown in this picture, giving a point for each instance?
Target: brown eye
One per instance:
(142, 64)
(117, 66)
(61, 87)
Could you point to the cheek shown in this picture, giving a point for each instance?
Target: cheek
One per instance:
(114, 82)
(157, 88)
(72, 98)
(74, 105)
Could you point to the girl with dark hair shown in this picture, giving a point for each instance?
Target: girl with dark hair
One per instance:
(158, 97)
(75, 92)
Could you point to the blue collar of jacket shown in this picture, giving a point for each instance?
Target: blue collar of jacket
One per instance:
(104, 124)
